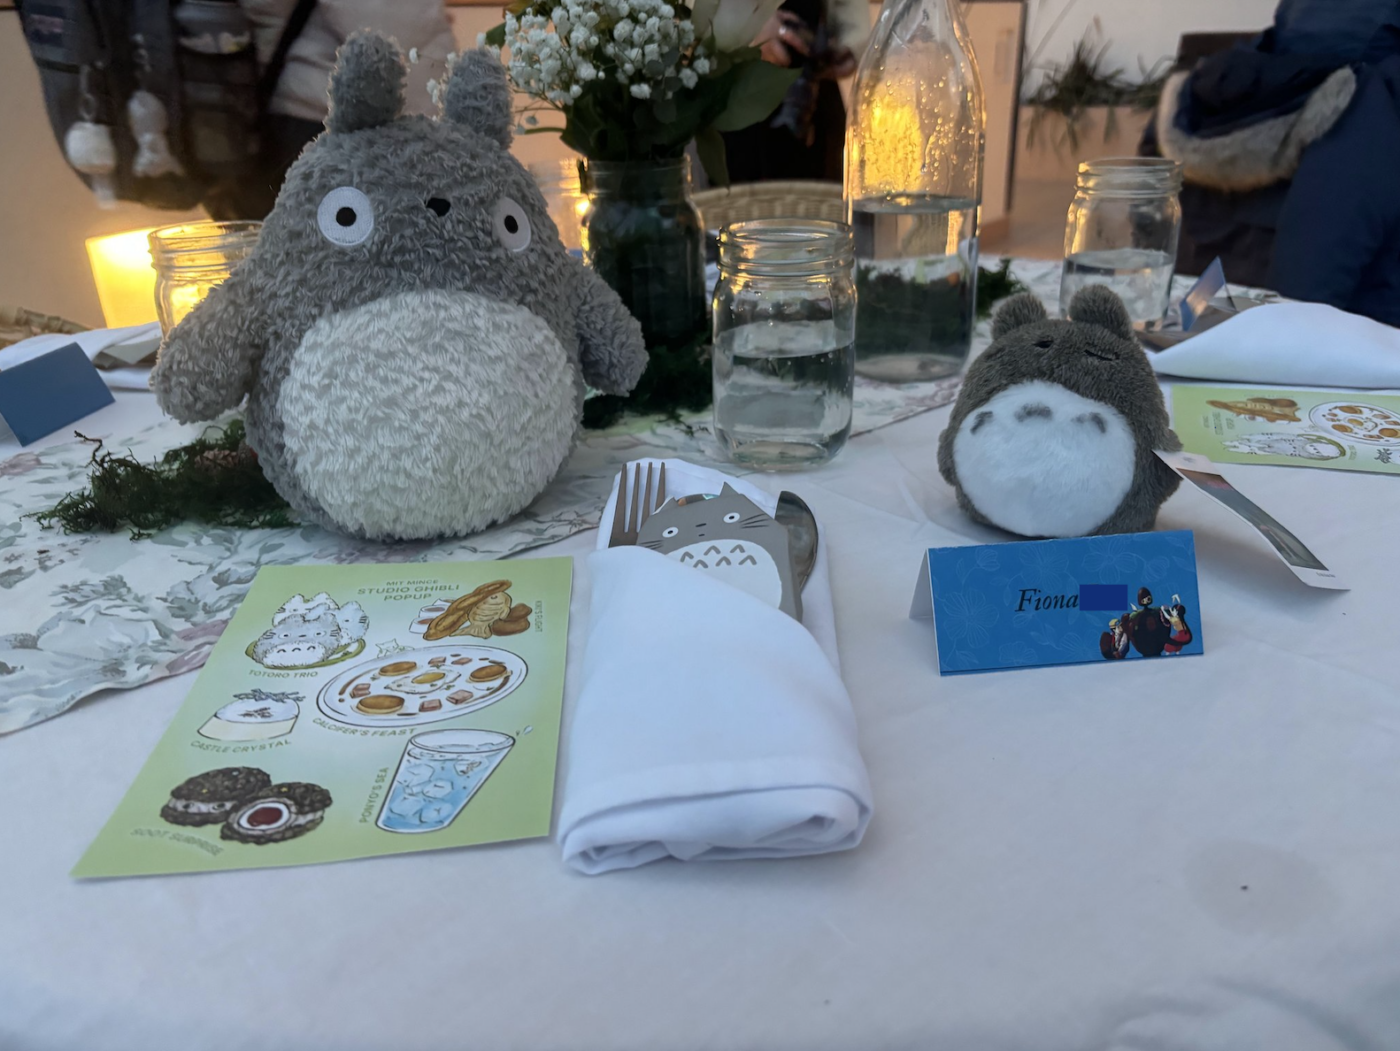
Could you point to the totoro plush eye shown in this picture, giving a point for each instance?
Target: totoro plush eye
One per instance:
(346, 216)
(732, 517)
(669, 532)
(511, 225)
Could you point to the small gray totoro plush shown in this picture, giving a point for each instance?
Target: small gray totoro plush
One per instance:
(1054, 429)
(411, 335)
(732, 539)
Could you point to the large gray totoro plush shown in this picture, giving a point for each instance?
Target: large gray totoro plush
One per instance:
(411, 335)
(1054, 429)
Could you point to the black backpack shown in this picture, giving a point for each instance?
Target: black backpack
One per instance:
(156, 101)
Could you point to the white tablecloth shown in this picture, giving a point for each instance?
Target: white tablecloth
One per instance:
(1198, 853)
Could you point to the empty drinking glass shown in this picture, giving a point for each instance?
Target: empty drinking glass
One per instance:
(784, 353)
(1122, 232)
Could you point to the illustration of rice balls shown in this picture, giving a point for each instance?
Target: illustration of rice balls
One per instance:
(208, 798)
(277, 813)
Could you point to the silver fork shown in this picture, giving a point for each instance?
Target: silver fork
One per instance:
(643, 504)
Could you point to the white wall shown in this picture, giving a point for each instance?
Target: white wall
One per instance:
(1136, 30)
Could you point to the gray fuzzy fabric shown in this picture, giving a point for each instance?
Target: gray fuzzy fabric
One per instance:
(1095, 356)
(367, 85)
(1258, 155)
(417, 411)
(478, 97)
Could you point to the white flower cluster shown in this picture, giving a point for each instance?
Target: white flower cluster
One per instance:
(643, 44)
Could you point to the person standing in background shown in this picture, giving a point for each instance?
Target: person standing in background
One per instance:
(296, 111)
(806, 135)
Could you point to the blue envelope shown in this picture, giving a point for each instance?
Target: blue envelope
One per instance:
(1101, 599)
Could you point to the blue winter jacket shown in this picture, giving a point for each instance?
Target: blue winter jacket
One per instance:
(1291, 149)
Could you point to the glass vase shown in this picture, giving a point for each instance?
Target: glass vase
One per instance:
(643, 235)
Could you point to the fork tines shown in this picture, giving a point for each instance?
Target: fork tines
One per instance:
(643, 500)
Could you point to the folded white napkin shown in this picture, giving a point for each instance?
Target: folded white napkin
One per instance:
(708, 725)
(1290, 344)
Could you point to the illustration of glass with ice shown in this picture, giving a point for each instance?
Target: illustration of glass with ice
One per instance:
(438, 774)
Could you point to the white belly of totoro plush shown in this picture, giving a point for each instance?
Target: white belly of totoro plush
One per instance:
(740, 564)
(463, 407)
(1039, 460)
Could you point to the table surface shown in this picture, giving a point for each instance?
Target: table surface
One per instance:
(1192, 853)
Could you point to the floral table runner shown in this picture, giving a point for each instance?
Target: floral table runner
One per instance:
(79, 614)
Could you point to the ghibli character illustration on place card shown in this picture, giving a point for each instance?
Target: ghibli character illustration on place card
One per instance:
(1113, 643)
(1175, 616)
(732, 539)
(1152, 632)
(311, 633)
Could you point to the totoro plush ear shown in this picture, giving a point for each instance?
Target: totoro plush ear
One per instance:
(478, 96)
(1098, 305)
(367, 84)
(1024, 309)
(728, 490)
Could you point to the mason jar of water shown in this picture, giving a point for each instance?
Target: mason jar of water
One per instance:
(1122, 232)
(914, 147)
(784, 330)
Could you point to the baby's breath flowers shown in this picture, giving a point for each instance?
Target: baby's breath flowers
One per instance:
(638, 79)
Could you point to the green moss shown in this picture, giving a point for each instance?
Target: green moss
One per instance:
(214, 479)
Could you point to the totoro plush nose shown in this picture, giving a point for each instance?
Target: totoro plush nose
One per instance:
(439, 206)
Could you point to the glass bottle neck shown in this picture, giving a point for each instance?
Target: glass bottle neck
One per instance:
(907, 18)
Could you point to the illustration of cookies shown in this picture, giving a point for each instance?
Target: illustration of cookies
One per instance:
(254, 716)
(208, 798)
(1358, 422)
(487, 611)
(278, 813)
(1271, 410)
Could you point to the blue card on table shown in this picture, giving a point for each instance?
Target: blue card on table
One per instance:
(51, 391)
(1209, 285)
(1088, 599)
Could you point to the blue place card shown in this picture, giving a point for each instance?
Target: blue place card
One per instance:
(1089, 599)
(1209, 285)
(49, 392)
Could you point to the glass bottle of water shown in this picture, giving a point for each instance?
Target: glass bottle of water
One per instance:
(1122, 232)
(783, 358)
(914, 143)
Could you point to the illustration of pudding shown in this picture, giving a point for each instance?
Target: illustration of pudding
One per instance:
(252, 717)
(427, 615)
